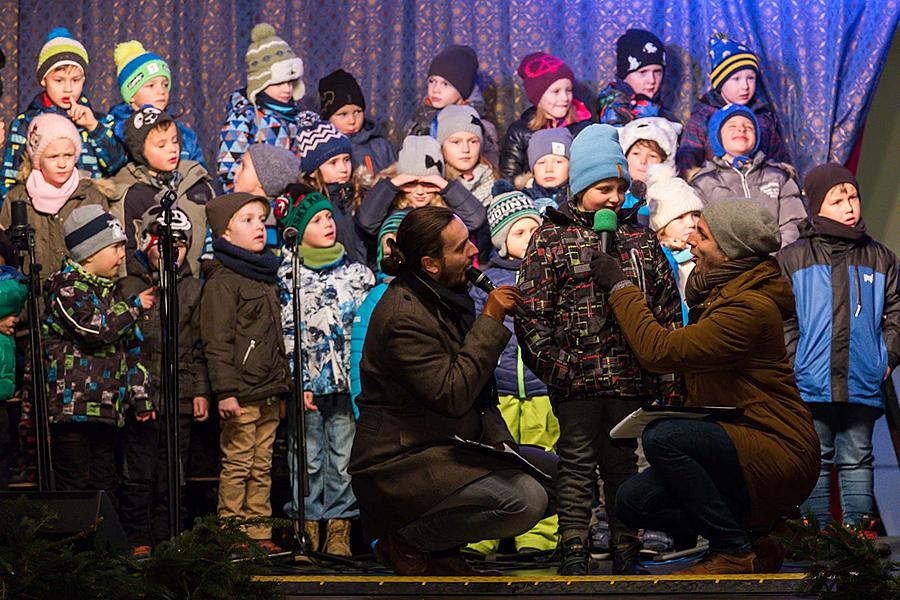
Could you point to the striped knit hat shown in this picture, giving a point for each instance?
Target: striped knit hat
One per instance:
(726, 58)
(508, 206)
(271, 61)
(135, 67)
(90, 229)
(319, 143)
(60, 49)
(390, 225)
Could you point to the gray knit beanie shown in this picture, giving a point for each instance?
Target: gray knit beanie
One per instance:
(90, 229)
(275, 167)
(458, 117)
(420, 156)
(743, 228)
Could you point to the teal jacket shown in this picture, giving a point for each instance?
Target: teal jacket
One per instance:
(12, 298)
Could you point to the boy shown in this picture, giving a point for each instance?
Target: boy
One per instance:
(739, 169)
(571, 341)
(143, 499)
(240, 325)
(845, 340)
(548, 159)
(144, 78)
(734, 75)
(645, 142)
(61, 71)
(94, 371)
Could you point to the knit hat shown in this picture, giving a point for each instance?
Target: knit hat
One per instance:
(661, 130)
(319, 143)
(47, 127)
(271, 61)
(275, 167)
(669, 196)
(718, 120)
(508, 205)
(821, 179)
(455, 118)
(138, 127)
(390, 225)
(89, 229)
(556, 141)
(59, 50)
(458, 65)
(539, 71)
(296, 207)
(420, 156)
(743, 228)
(726, 58)
(220, 209)
(337, 90)
(596, 155)
(636, 49)
(135, 67)
(149, 228)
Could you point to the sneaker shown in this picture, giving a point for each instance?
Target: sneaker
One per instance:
(658, 542)
(719, 563)
(601, 538)
(269, 546)
(575, 557)
(140, 552)
(626, 558)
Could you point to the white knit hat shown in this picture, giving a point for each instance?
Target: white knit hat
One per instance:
(662, 131)
(668, 196)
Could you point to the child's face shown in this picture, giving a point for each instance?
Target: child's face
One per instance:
(841, 204)
(283, 92)
(106, 262)
(155, 92)
(557, 100)
(441, 92)
(738, 136)
(675, 234)
(349, 119)
(740, 87)
(153, 256)
(320, 232)
(646, 80)
(419, 193)
(162, 148)
(57, 162)
(247, 227)
(63, 85)
(607, 193)
(639, 157)
(519, 236)
(245, 179)
(462, 151)
(551, 170)
(337, 169)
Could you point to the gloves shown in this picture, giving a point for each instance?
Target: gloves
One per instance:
(606, 271)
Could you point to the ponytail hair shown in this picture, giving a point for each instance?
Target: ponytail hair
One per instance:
(419, 236)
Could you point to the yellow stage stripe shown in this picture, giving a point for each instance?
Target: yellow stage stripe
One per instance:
(536, 580)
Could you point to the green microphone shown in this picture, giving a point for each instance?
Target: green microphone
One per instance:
(605, 224)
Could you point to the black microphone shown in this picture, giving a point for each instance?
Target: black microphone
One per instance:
(18, 215)
(290, 235)
(479, 279)
(605, 224)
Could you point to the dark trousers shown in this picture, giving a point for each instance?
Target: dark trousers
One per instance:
(5, 446)
(584, 445)
(84, 457)
(694, 485)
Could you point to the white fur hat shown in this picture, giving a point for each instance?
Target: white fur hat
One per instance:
(662, 131)
(668, 196)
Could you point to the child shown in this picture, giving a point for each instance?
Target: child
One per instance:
(333, 288)
(571, 342)
(94, 370)
(144, 78)
(61, 71)
(154, 143)
(143, 499)
(734, 75)
(739, 169)
(548, 83)
(13, 293)
(460, 133)
(341, 102)
(646, 141)
(266, 110)
(524, 403)
(240, 328)
(640, 67)
(419, 182)
(547, 183)
(845, 340)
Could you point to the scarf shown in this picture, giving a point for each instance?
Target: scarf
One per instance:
(47, 198)
(682, 256)
(700, 285)
(460, 304)
(321, 258)
(286, 109)
(831, 228)
(259, 266)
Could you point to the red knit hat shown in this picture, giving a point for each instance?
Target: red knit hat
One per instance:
(539, 71)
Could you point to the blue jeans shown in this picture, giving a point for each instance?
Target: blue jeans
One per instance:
(329, 438)
(845, 434)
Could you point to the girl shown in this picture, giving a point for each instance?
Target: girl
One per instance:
(646, 141)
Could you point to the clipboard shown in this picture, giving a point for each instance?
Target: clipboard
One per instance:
(633, 425)
(507, 454)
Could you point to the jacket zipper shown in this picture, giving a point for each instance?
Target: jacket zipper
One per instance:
(247, 353)
(743, 182)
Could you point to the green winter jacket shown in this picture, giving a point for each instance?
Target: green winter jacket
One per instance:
(12, 297)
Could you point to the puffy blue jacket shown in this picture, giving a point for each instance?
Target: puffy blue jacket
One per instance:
(370, 148)
(358, 332)
(190, 144)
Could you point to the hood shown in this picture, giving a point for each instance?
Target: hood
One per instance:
(511, 264)
(715, 99)
(210, 267)
(71, 273)
(192, 173)
(768, 279)
(239, 102)
(368, 133)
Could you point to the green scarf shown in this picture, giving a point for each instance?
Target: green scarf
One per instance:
(319, 258)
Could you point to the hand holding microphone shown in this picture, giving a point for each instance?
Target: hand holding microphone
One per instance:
(501, 301)
(605, 268)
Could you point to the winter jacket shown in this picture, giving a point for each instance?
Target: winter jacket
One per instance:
(544, 198)
(770, 184)
(138, 191)
(190, 143)
(733, 355)
(694, 147)
(846, 331)
(371, 149)
(102, 155)
(359, 329)
(568, 336)
(620, 105)
(355, 240)
(94, 367)
(513, 377)
(424, 122)
(192, 377)
(514, 152)
(240, 328)
(13, 293)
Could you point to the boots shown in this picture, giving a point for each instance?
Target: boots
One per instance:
(575, 557)
(717, 563)
(452, 563)
(311, 528)
(398, 555)
(337, 537)
(626, 557)
(769, 555)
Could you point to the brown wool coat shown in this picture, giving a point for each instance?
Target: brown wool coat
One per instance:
(734, 355)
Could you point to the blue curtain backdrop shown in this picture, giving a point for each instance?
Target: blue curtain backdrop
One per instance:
(821, 59)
